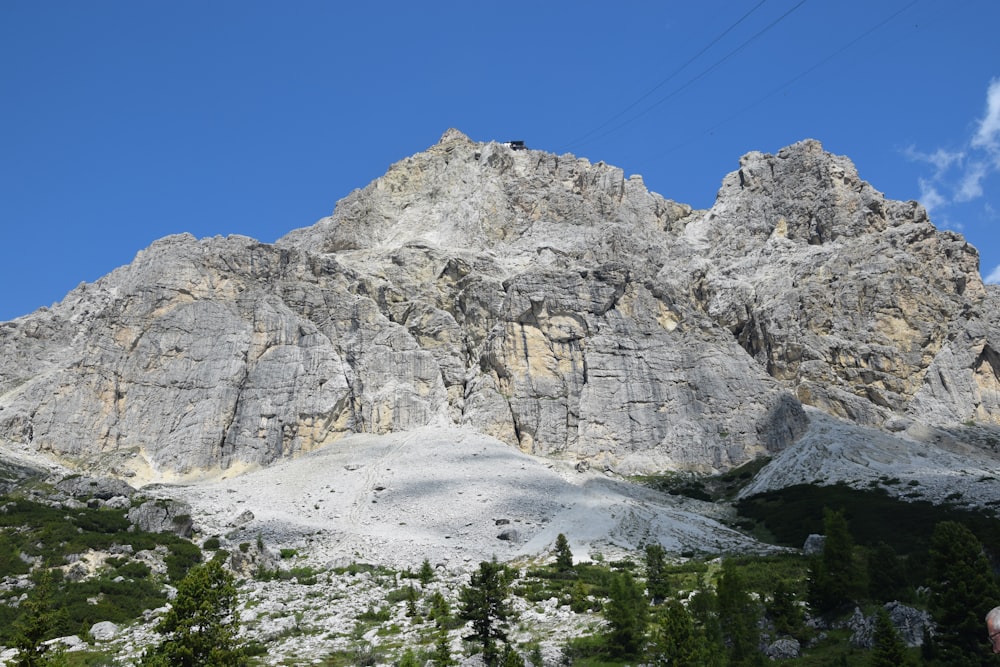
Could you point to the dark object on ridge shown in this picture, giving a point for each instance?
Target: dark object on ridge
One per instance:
(515, 145)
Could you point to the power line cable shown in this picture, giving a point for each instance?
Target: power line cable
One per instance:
(662, 83)
(800, 75)
(704, 72)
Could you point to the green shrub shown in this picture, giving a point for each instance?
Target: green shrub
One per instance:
(182, 556)
(792, 513)
(375, 615)
(133, 570)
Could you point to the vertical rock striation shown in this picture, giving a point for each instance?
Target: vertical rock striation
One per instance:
(542, 299)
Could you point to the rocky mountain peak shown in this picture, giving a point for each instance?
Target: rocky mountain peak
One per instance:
(452, 135)
(543, 300)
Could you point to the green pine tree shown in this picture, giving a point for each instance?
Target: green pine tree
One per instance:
(889, 649)
(783, 610)
(704, 609)
(833, 576)
(442, 651)
(426, 574)
(657, 586)
(886, 574)
(411, 601)
(37, 622)
(738, 616)
(200, 628)
(963, 590)
(564, 557)
(511, 658)
(439, 609)
(409, 659)
(677, 641)
(485, 603)
(536, 655)
(627, 612)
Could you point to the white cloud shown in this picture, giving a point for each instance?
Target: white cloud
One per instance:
(959, 175)
(971, 185)
(930, 198)
(941, 159)
(994, 276)
(989, 127)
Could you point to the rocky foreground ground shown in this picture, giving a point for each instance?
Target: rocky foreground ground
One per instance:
(354, 521)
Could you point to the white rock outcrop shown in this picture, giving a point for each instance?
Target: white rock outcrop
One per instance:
(540, 299)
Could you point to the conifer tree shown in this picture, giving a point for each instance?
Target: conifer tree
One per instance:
(426, 574)
(784, 612)
(37, 622)
(439, 609)
(738, 617)
(657, 585)
(484, 602)
(411, 601)
(888, 650)
(409, 659)
(704, 610)
(564, 557)
(442, 651)
(536, 655)
(676, 639)
(627, 613)
(886, 575)
(963, 590)
(200, 627)
(511, 658)
(834, 577)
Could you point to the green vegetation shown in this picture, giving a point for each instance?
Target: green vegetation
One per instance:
(48, 542)
(963, 589)
(793, 513)
(651, 607)
(834, 577)
(564, 557)
(426, 574)
(889, 649)
(657, 586)
(708, 488)
(738, 614)
(627, 612)
(200, 627)
(485, 603)
(38, 619)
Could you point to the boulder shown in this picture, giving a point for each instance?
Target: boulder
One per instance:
(104, 631)
(813, 545)
(913, 625)
(163, 515)
(785, 648)
(85, 486)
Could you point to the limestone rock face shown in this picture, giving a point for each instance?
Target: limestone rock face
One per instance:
(547, 301)
(848, 299)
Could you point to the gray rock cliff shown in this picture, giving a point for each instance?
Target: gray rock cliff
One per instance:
(547, 301)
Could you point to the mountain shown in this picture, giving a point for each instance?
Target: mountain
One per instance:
(539, 299)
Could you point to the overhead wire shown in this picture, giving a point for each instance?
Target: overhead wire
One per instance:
(669, 77)
(757, 35)
(797, 77)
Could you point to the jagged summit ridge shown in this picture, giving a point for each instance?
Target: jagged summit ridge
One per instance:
(550, 302)
(461, 195)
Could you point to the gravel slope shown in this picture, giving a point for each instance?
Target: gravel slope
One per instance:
(444, 494)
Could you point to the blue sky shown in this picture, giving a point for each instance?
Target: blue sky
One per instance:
(123, 122)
